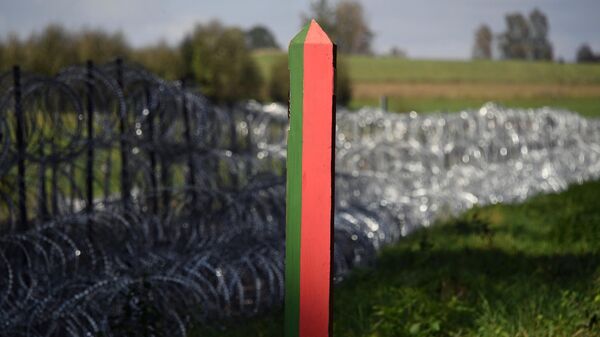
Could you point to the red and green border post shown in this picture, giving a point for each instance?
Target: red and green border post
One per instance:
(310, 182)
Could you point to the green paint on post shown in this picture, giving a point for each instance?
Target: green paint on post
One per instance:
(294, 186)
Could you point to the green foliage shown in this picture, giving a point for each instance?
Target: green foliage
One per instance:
(279, 82)
(161, 59)
(100, 46)
(260, 37)
(220, 62)
(55, 48)
(530, 269)
(213, 56)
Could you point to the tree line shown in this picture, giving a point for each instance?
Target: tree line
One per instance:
(585, 54)
(214, 57)
(525, 38)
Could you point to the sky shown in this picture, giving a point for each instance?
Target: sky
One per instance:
(423, 28)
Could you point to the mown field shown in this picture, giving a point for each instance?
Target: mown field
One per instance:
(530, 269)
(440, 85)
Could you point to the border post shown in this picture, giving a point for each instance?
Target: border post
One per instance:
(310, 182)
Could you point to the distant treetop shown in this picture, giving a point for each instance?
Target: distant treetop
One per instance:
(260, 37)
(345, 23)
(526, 38)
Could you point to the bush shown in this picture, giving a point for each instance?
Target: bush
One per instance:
(162, 60)
(279, 84)
(218, 59)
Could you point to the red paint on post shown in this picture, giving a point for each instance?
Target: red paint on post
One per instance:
(317, 163)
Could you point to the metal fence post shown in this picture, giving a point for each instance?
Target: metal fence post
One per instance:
(151, 152)
(90, 138)
(125, 189)
(23, 225)
(42, 197)
(190, 145)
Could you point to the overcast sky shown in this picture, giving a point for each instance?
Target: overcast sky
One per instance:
(424, 28)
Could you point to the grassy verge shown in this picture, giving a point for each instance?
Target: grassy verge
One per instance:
(531, 269)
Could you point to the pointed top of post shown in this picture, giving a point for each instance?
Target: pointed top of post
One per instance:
(311, 33)
(316, 35)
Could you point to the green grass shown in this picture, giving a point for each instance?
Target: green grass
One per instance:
(586, 106)
(386, 69)
(530, 269)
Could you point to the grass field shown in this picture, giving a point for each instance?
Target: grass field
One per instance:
(530, 269)
(439, 85)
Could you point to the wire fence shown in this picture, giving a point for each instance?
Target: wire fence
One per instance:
(130, 205)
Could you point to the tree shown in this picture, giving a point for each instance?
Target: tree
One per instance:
(483, 43)
(352, 32)
(279, 83)
(345, 23)
(397, 52)
(260, 37)
(100, 46)
(14, 52)
(323, 14)
(221, 63)
(526, 39)
(54, 49)
(541, 49)
(161, 59)
(585, 54)
(514, 43)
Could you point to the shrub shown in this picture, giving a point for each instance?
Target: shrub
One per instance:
(218, 59)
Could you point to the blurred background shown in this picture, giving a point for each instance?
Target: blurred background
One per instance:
(422, 56)
(143, 167)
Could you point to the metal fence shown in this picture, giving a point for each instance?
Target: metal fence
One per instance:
(126, 199)
(114, 137)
